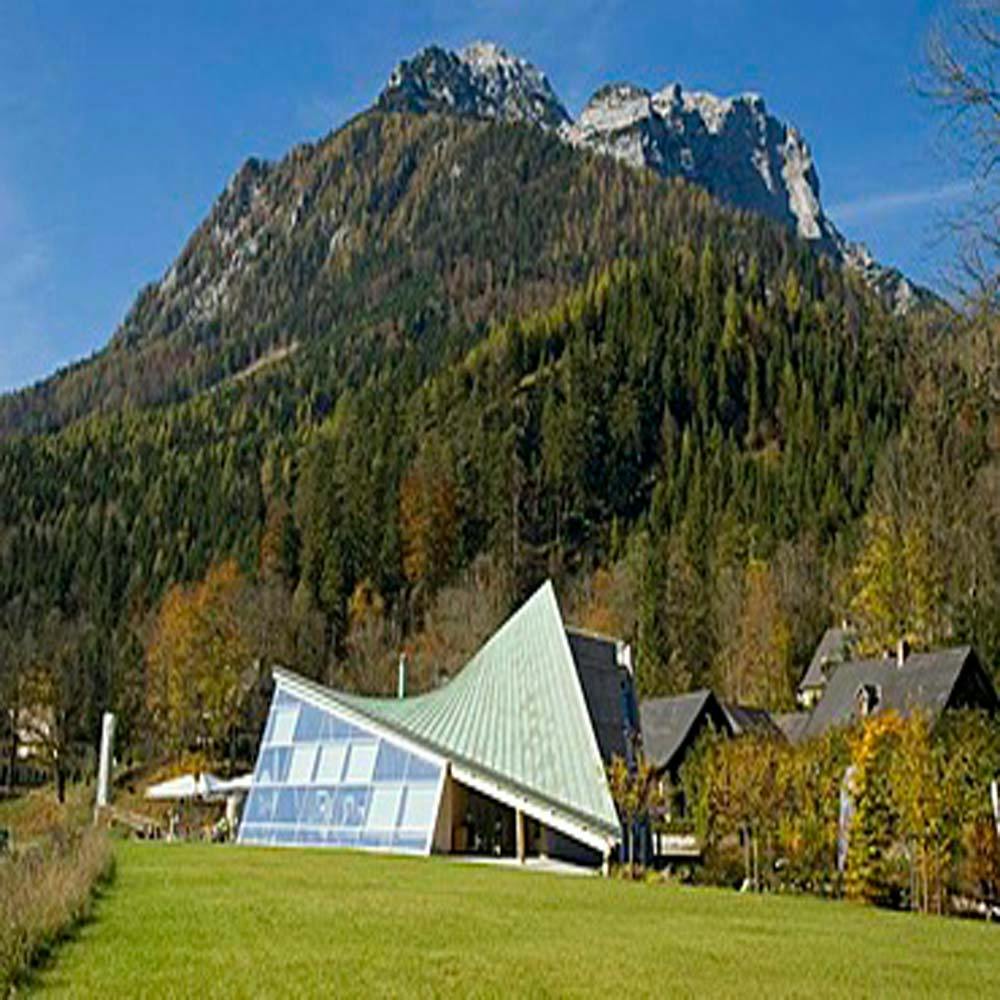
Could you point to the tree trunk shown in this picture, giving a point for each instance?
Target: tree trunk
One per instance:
(747, 871)
(756, 863)
(60, 782)
(12, 752)
(925, 902)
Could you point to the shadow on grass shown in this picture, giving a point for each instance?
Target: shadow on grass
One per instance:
(44, 960)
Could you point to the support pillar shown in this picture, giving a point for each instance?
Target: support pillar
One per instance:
(519, 833)
(104, 764)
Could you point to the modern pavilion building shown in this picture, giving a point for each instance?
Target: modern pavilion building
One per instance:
(507, 758)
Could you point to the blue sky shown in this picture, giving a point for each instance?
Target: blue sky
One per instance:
(122, 122)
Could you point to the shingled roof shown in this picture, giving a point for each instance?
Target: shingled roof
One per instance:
(671, 725)
(930, 682)
(745, 720)
(607, 687)
(833, 649)
(791, 724)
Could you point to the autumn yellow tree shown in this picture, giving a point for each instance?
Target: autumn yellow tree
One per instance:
(898, 583)
(873, 829)
(638, 793)
(920, 793)
(428, 516)
(811, 777)
(197, 662)
(753, 666)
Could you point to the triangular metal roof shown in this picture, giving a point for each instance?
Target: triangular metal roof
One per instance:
(516, 713)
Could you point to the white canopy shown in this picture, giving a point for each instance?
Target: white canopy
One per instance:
(187, 786)
(240, 784)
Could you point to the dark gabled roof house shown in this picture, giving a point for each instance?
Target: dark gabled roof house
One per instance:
(834, 648)
(671, 726)
(931, 682)
(744, 719)
(791, 724)
(608, 689)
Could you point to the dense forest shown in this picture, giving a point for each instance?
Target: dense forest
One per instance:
(461, 357)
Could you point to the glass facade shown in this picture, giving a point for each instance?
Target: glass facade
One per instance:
(321, 780)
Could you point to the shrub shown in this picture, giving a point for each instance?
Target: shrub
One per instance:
(870, 869)
(921, 828)
(44, 892)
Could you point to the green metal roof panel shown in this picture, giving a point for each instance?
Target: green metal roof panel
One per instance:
(517, 711)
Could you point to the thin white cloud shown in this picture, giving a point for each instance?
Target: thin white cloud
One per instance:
(891, 202)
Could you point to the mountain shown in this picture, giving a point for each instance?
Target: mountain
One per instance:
(398, 236)
(731, 146)
(344, 240)
(438, 355)
(482, 80)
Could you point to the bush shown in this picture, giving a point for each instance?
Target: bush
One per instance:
(45, 892)
(921, 827)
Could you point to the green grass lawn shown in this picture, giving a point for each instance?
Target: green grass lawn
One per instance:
(197, 920)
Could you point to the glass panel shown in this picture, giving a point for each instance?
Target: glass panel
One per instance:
(331, 763)
(317, 810)
(303, 760)
(342, 838)
(289, 805)
(341, 729)
(391, 763)
(322, 780)
(310, 724)
(350, 806)
(418, 809)
(384, 808)
(360, 764)
(422, 770)
(376, 840)
(273, 766)
(408, 842)
(260, 805)
(284, 724)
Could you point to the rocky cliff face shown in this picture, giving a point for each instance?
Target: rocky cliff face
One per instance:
(483, 80)
(731, 146)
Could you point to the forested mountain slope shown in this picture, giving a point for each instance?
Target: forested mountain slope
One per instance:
(422, 224)
(501, 352)
(396, 233)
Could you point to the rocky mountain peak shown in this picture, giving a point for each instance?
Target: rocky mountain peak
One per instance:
(483, 80)
(732, 146)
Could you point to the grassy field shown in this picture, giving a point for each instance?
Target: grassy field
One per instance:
(204, 921)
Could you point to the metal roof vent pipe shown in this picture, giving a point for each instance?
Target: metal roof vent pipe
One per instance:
(401, 685)
(902, 652)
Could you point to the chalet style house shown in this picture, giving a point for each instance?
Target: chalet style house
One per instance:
(836, 690)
